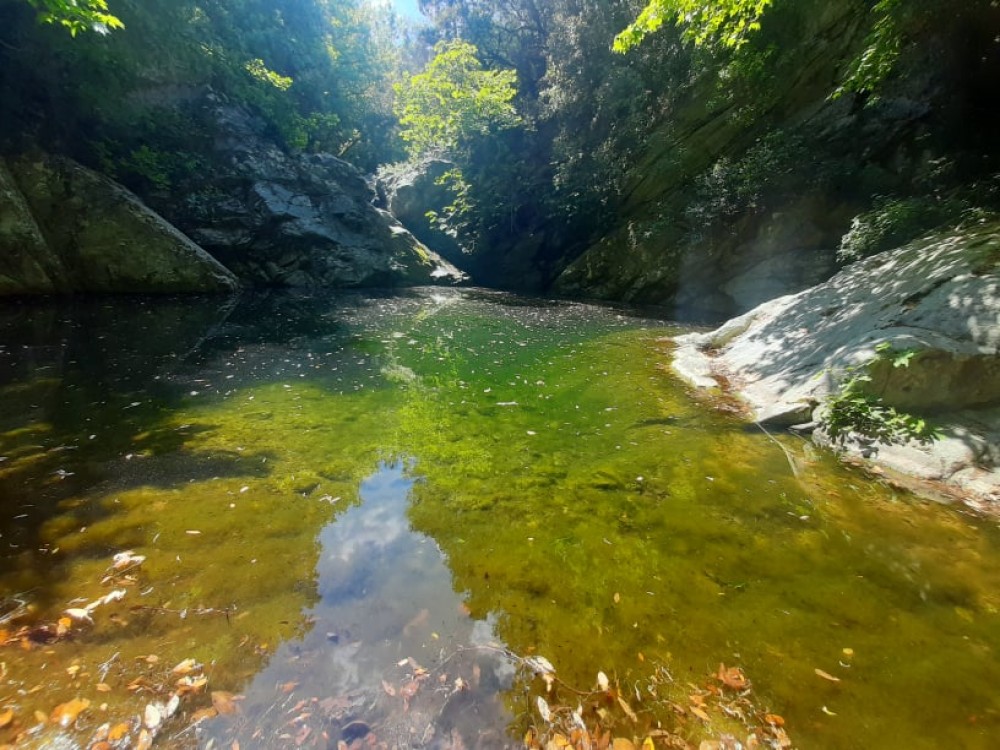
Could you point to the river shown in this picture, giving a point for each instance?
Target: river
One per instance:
(453, 519)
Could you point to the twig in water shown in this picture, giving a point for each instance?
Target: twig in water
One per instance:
(788, 455)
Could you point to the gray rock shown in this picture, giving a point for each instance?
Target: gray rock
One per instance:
(277, 219)
(410, 192)
(27, 264)
(88, 233)
(940, 296)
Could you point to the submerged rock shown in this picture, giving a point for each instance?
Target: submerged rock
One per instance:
(939, 296)
(278, 219)
(65, 228)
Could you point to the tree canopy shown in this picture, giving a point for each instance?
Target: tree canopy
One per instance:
(453, 100)
(723, 22)
(77, 15)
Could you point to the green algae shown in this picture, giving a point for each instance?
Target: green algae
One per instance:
(584, 504)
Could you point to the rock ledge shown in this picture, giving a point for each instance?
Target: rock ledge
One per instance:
(940, 296)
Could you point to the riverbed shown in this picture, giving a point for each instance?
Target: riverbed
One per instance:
(451, 518)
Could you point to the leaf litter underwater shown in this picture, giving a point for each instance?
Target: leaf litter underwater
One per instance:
(450, 519)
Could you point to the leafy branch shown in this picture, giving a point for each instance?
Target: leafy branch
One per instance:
(725, 22)
(77, 15)
(854, 410)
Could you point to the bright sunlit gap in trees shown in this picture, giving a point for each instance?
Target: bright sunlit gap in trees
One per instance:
(408, 9)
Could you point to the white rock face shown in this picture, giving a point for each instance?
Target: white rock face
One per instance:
(940, 296)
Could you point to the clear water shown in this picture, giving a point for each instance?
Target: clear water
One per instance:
(364, 516)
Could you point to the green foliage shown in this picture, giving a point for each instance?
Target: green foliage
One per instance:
(259, 71)
(453, 218)
(77, 15)
(732, 187)
(316, 72)
(726, 23)
(855, 411)
(872, 66)
(454, 100)
(892, 222)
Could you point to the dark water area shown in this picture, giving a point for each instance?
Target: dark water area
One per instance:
(450, 518)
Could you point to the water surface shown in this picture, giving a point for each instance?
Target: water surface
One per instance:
(366, 516)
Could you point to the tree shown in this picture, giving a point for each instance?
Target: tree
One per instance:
(725, 22)
(77, 15)
(454, 100)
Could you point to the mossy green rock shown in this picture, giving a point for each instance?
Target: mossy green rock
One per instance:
(87, 233)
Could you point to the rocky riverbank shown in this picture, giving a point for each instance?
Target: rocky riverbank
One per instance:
(939, 297)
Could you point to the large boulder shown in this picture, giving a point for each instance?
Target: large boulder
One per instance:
(280, 219)
(64, 227)
(410, 191)
(27, 264)
(939, 296)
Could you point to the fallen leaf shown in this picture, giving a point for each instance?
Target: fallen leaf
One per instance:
(66, 713)
(543, 709)
(73, 671)
(223, 702)
(848, 652)
(700, 713)
(185, 667)
(118, 732)
(617, 597)
(628, 710)
(151, 659)
(827, 711)
(602, 681)
(145, 741)
(774, 719)
(152, 717)
(389, 689)
(102, 687)
(101, 733)
(287, 687)
(304, 731)
(782, 737)
(6, 718)
(111, 596)
(647, 744)
(191, 684)
(203, 713)
(78, 613)
(732, 677)
(127, 559)
(826, 675)
(40, 717)
(620, 743)
(409, 689)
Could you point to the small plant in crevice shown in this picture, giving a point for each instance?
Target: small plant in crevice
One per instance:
(853, 411)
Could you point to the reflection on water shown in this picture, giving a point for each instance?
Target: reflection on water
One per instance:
(390, 654)
(359, 513)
